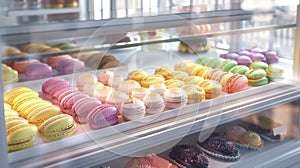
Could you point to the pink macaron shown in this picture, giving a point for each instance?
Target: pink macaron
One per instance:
(58, 92)
(52, 61)
(50, 84)
(21, 65)
(103, 115)
(69, 100)
(37, 70)
(69, 66)
(83, 107)
(133, 109)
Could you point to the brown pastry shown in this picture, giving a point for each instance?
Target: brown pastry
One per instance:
(106, 59)
(94, 60)
(111, 64)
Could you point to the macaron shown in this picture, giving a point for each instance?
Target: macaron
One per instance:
(52, 85)
(244, 60)
(90, 88)
(257, 77)
(228, 64)
(154, 103)
(137, 75)
(13, 121)
(37, 71)
(41, 114)
(152, 79)
(57, 127)
(194, 93)
(258, 57)
(215, 62)
(140, 93)
(133, 109)
(85, 78)
(232, 56)
(175, 98)
(158, 88)
(69, 100)
(83, 107)
(21, 65)
(204, 60)
(165, 71)
(9, 75)
(239, 69)
(104, 76)
(13, 93)
(271, 57)
(69, 66)
(275, 72)
(116, 98)
(115, 80)
(52, 61)
(236, 83)
(245, 53)
(102, 92)
(193, 80)
(183, 66)
(101, 116)
(212, 88)
(259, 65)
(179, 75)
(21, 136)
(128, 85)
(201, 71)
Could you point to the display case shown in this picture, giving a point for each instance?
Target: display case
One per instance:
(153, 38)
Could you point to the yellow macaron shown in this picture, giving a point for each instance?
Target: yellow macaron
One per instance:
(41, 114)
(12, 94)
(57, 127)
(21, 136)
(10, 113)
(26, 111)
(13, 121)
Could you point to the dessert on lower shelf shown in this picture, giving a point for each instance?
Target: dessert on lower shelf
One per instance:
(193, 46)
(189, 156)
(244, 139)
(220, 147)
(149, 161)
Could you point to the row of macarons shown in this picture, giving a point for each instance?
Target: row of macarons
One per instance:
(247, 56)
(222, 146)
(93, 59)
(28, 116)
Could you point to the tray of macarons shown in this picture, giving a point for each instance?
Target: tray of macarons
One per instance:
(100, 99)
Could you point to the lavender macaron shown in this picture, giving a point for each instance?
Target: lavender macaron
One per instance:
(69, 65)
(232, 56)
(101, 116)
(258, 57)
(271, 57)
(244, 60)
(38, 70)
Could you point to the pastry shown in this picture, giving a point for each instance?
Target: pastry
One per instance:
(228, 64)
(165, 71)
(154, 103)
(140, 93)
(152, 79)
(31, 106)
(13, 121)
(137, 75)
(127, 86)
(21, 65)
(69, 66)
(234, 132)
(215, 63)
(252, 139)
(42, 113)
(102, 92)
(13, 93)
(220, 147)
(231, 56)
(175, 98)
(257, 77)
(52, 61)
(10, 113)
(9, 75)
(258, 57)
(189, 156)
(173, 83)
(244, 60)
(85, 78)
(57, 127)
(265, 129)
(115, 80)
(104, 76)
(236, 83)
(82, 108)
(116, 98)
(111, 64)
(194, 46)
(69, 100)
(21, 136)
(101, 116)
(259, 65)
(70, 3)
(37, 71)
(90, 88)
(149, 161)
(271, 57)
(53, 3)
(212, 88)
(193, 80)
(275, 72)
(133, 109)
(158, 88)
(183, 66)
(10, 51)
(245, 53)
(52, 85)
(200, 70)
(105, 59)
(194, 93)
(239, 69)
(179, 75)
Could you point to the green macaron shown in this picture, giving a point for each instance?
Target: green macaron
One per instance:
(258, 82)
(203, 60)
(256, 74)
(239, 69)
(258, 65)
(228, 64)
(275, 72)
(215, 62)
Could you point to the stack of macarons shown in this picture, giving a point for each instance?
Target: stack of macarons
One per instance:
(246, 57)
(133, 109)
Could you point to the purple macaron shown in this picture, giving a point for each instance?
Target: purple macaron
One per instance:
(245, 53)
(232, 56)
(271, 57)
(38, 70)
(258, 57)
(69, 65)
(102, 116)
(244, 60)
